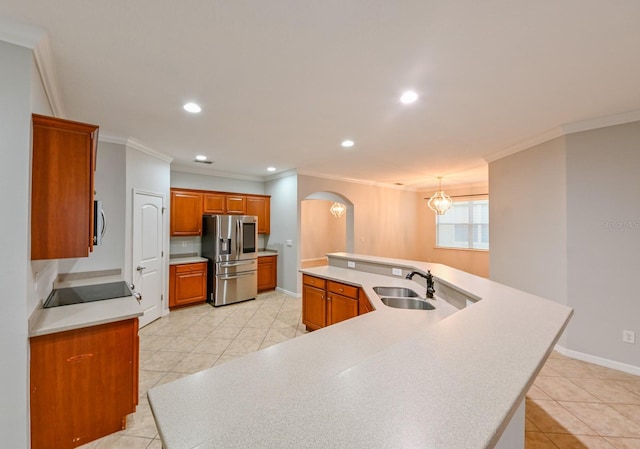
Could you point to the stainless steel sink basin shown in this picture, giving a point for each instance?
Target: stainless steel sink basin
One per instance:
(407, 303)
(395, 291)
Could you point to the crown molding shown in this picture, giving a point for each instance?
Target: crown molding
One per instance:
(44, 61)
(564, 130)
(36, 38)
(357, 181)
(136, 145)
(282, 174)
(107, 138)
(218, 174)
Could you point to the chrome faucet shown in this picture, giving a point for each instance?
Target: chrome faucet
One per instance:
(428, 277)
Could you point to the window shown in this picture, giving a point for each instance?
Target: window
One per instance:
(464, 225)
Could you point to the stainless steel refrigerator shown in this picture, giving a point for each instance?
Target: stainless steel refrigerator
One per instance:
(230, 243)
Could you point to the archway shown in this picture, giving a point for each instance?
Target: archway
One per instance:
(320, 231)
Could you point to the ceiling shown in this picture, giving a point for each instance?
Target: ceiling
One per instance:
(281, 83)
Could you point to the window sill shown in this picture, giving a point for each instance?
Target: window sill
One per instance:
(447, 248)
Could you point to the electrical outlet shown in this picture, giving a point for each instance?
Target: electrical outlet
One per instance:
(289, 242)
(396, 271)
(184, 244)
(629, 337)
(351, 264)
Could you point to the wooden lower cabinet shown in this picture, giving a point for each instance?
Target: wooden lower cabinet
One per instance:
(267, 272)
(327, 302)
(187, 284)
(364, 305)
(314, 307)
(84, 383)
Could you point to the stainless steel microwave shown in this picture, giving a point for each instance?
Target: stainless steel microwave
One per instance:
(99, 223)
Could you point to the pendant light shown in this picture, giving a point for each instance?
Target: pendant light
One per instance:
(440, 201)
(337, 209)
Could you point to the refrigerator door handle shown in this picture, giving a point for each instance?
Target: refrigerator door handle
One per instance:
(226, 278)
(236, 264)
(239, 242)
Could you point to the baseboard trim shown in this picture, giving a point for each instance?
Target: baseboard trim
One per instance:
(287, 292)
(631, 369)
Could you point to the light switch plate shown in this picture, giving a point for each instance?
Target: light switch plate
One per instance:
(396, 271)
(351, 264)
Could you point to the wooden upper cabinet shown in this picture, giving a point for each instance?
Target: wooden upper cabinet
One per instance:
(214, 203)
(188, 206)
(236, 204)
(63, 164)
(261, 207)
(186, 213)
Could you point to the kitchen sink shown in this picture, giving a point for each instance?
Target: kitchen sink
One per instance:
(407, 303)
(396, 291)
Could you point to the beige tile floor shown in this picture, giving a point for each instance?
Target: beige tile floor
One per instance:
(571, 405)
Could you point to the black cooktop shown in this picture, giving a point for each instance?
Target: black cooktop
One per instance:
(87, 293)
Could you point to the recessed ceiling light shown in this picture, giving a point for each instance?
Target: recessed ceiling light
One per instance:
(271, 169)
(347, 143)
(200, 157)
(192, 107)
(408, 97)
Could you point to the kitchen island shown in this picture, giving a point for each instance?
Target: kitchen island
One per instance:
(453, 377)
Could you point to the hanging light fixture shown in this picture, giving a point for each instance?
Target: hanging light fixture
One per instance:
(440, 201)
(337, 209)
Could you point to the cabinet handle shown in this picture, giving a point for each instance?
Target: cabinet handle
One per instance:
(340, 290)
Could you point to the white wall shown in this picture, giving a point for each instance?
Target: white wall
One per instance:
(528, 220)
(385, 219)
(284, 226)
(219, 183)
(321, 232)
(15, 272)
(565, 225)
(603, 241)
(110, 189)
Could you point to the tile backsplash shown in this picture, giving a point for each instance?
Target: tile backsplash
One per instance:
(184, 245)
(191, 245)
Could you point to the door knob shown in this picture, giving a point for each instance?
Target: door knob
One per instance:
(140, 268)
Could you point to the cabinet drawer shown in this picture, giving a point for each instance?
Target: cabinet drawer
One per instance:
(189, 267)
(313, 281)
(342, 289)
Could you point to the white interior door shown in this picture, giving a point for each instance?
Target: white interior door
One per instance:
(147, 253)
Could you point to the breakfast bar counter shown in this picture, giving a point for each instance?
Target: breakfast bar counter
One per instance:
(392, 378)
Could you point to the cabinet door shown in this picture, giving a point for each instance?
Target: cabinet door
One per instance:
(314, 311)
(186, 213)
(189, 284)
(340, 308)
(267, 273)
(214, 203)
(236, 204)
(63, 162)
(364, 305)
(261, 207)
(82, 384)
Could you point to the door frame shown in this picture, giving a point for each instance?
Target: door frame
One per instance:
(164, 306)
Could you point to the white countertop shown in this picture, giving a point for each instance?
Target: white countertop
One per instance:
(179, 260)
(76, 316)
(387, 379)
(188, 259)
